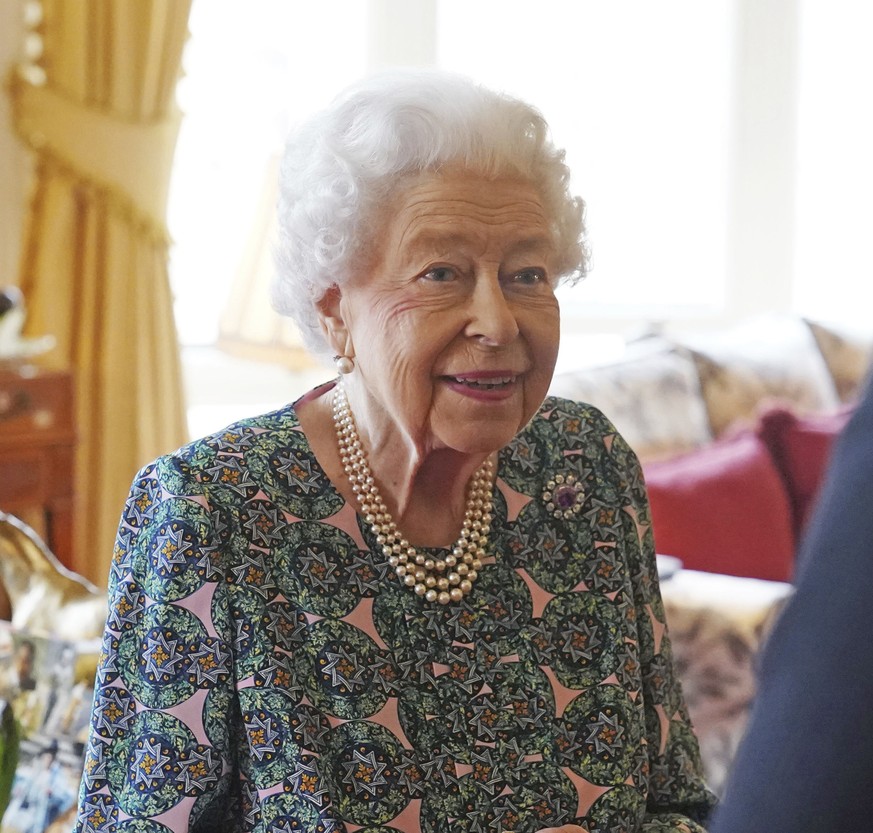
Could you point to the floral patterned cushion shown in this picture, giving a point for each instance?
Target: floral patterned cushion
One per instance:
(718, 625)
(847, 354)
(760, 362)
(652, 396)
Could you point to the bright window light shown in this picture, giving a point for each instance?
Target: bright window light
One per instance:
(251, 70)
(833, 278)
(640, 95)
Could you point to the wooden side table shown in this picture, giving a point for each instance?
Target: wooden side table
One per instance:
(37, 444)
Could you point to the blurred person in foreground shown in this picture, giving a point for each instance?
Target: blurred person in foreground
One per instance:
(423, 597)
(806, 762)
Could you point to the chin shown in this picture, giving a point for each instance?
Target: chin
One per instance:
(481, 430)
(480, 439)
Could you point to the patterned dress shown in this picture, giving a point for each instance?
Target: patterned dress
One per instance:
(264, 670)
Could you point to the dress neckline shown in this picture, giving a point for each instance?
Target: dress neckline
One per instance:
(499, 515)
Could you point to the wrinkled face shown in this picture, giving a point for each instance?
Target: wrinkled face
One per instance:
(454, 326)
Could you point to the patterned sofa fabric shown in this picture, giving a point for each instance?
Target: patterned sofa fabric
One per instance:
(718, 627)
(671, 395)
(847, 352)
(763, 360)
(652, 396)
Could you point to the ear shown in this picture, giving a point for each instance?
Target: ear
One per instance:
(332, 319)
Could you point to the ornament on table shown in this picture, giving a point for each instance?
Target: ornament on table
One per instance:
(13, 345)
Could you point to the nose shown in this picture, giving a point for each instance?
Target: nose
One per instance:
(492, 317)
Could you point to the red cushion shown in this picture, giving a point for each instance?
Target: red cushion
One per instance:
(724, 509)
(801, 448)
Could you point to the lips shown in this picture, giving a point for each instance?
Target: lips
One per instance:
(485, 386)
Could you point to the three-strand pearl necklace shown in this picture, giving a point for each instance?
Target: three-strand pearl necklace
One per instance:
(441, 580)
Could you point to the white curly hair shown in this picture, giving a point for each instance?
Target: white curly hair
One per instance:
(343, 165)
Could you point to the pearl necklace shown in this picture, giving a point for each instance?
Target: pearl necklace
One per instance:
(442, 580)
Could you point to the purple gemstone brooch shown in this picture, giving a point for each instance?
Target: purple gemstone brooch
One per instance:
(563, 496)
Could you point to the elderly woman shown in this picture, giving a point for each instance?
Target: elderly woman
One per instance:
(423, 597)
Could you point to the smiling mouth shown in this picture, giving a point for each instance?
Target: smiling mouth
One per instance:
(493, 383)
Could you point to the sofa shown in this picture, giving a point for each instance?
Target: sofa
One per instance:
(733, 429)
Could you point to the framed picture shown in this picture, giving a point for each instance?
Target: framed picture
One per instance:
(51, 704)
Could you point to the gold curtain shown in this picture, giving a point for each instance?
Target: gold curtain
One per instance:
(98, 109)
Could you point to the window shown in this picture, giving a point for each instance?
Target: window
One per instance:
(251, 69)
(638, 92)
(721, 146)
(833, 278)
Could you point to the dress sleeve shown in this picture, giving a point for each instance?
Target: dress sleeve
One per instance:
(678, 799)
(164, 726)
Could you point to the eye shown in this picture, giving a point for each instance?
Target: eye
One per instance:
(440, 274)
(529, 277)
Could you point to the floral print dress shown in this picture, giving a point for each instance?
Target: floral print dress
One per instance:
(264, 670)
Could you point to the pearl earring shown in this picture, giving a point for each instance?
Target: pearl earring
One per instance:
(344, 364)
